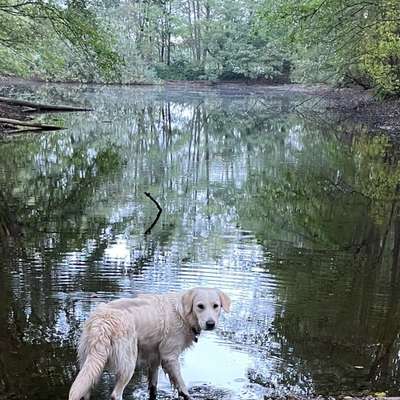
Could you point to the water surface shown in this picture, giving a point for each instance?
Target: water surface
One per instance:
(294, 216)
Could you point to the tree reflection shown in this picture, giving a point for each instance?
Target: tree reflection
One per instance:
(341, 211)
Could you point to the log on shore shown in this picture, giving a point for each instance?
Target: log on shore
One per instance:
(41, 107)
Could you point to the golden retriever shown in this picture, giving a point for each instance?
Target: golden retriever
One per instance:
(148, 330)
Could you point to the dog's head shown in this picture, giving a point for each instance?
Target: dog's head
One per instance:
(201, 307)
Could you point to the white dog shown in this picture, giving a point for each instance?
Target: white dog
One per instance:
(149, 330)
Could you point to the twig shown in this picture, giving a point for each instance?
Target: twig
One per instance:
(321, 98)
(158, 214)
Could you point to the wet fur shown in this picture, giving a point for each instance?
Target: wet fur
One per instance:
(149, 330)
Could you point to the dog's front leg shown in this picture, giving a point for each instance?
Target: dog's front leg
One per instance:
(173, 370)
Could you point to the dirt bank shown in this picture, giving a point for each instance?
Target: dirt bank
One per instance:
(361, 106)
(10, 112)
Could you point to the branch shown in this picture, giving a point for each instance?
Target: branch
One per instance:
(26, 3)
(315, 11)
(158, 214)
(16, 122)
(41, 107)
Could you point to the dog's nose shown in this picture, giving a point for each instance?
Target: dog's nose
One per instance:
(210, 325)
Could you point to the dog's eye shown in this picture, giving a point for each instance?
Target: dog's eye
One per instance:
(201, 306)
(215, 305)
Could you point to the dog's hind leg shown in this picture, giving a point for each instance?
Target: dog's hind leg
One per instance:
(153, 378)
(124, 361)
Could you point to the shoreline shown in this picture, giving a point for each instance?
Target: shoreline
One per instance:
(362, 106)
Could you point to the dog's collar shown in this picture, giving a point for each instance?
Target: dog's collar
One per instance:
(196, 334)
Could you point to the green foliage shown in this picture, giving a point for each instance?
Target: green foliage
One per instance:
(338, 42)
(236, 48)
(138, 41)
(342, 41)
(382, 58)
(51, 41)
(193, 39)
(181, 69)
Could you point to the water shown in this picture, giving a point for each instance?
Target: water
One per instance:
(296, 217)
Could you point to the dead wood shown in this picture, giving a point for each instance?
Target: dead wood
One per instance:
(158, 214)
(41, 107)
(37, 125)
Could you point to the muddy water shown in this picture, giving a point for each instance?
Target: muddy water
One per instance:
(294, 216)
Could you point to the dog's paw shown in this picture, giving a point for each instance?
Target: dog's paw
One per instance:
(152, 392)
(184, 396)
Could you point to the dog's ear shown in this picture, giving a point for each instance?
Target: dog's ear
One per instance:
(225, 300)
(186, 303)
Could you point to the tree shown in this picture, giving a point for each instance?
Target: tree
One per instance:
(51, 36)
(352, 40)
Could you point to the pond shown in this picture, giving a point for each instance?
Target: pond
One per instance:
(294, 215)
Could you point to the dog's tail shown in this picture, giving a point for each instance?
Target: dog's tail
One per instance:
(94, 350)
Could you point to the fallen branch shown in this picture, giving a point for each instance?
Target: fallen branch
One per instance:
(158, 214)
(40, 107)
(23, 130)
(37, 125)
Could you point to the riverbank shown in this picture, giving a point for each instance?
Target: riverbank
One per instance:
(10, 112)
(361, 106)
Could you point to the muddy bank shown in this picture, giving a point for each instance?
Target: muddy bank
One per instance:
(10, 112)
(354, 104)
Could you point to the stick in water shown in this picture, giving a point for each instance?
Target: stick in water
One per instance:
(158, 214)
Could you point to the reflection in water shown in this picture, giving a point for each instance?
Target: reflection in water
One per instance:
(296, 219)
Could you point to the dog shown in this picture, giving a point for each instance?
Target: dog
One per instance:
(148, 330)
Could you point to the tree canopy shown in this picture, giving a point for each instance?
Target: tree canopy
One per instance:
(345, 41)
(336, 41)
(54, 40)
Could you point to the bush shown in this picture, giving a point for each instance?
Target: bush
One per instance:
(180, 70)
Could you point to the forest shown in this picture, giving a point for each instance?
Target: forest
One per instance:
(339, 42)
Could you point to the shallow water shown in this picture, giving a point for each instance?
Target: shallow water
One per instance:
(296, 217)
